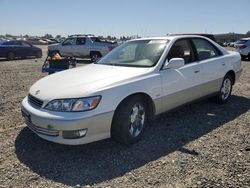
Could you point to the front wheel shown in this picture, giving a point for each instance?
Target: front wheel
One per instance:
(129, 121)
(11, 56)
(225, 90)
(95, 56)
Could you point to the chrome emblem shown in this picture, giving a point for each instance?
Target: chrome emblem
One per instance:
(37, 92)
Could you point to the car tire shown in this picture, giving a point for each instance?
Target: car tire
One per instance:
(11, 56)
(243, 57)
(225, 90)
(38, 54)
(95, 56)
(129, 120)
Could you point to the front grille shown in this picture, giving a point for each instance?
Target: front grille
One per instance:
(42, 131)
(35, 101)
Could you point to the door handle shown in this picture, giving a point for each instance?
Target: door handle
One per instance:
(196, 71)
(223, 64)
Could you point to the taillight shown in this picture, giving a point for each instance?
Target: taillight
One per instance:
(242, 46)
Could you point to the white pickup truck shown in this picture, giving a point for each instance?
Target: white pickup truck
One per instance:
(82, 46)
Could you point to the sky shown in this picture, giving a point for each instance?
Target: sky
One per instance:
(123, 17)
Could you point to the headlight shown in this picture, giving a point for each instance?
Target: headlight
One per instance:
(73, 105)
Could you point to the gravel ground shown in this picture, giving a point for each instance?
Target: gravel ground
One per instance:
(199, 145)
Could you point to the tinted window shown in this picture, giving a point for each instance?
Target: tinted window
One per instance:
(80, 41)
(182, 49)
(26, 44)
(205, 49)
(95, 39)
(12, 43)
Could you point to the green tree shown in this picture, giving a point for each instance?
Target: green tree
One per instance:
(47, 36)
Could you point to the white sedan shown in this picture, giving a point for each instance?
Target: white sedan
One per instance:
(116, 96)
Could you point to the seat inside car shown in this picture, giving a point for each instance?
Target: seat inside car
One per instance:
(176, 52)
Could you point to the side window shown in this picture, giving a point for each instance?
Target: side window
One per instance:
(205, 49)
(14, 43)
(69, 41)
(80, 41)
(6, 43)
(182, 49)
(10, 43)
(26, 44)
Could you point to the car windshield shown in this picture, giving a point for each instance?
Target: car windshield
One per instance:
(138, 53)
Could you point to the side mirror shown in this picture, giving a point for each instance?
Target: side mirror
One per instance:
(174, 63)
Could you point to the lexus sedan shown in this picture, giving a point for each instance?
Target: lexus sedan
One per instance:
(117, 96)
(13, 49)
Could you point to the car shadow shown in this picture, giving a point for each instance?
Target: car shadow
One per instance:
(104, 160)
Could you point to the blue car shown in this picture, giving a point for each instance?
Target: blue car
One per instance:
(14, 49)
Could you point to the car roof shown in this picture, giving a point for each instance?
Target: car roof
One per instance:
(172, 37)
(210, 36)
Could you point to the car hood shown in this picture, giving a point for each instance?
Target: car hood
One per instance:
(52, 46)
(84, 81)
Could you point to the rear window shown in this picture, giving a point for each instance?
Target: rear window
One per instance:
(95, 39)
(241, 42)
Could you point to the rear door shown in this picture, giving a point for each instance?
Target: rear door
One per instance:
(183, 84)
(26, 49)
(212, 63)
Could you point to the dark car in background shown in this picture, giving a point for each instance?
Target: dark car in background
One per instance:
(18, 49)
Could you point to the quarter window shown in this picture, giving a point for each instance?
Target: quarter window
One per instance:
(26, 44)
(205, 49)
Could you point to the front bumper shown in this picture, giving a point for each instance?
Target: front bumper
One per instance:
(52, 125)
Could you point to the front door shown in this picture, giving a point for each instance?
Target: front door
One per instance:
(183, 84)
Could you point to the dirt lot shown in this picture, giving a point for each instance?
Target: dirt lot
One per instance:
(199, 145)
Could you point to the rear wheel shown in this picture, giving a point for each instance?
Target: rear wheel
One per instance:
(130, 120)
(243, 57)
(10, 56)
(95, 56)
(225, 90)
